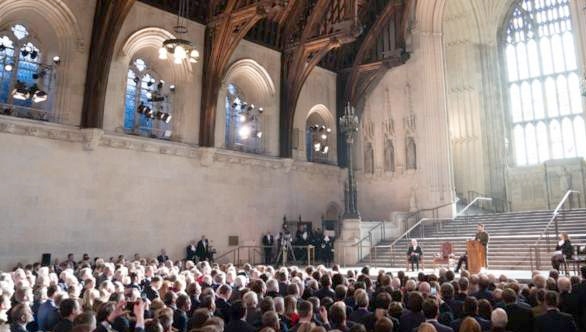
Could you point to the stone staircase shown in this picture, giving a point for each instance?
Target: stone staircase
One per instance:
(511, 236)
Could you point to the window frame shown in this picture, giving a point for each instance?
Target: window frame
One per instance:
(516, 148)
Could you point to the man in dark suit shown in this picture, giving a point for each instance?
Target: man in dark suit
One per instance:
(202, 249)
(69, 309)
(482, 237)
(267, 241)
(580, 292)
(162, 258)
(237, 322)
(414, 254)
(183, 306)
(362, 306)
(20, 315)
(190, 251)
(48, 315)
(223, 301)
(430, 311)
(470, 309)
(520, 317)
(413, 316)
(553, 319)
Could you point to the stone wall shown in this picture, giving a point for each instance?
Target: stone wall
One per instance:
(71, 190)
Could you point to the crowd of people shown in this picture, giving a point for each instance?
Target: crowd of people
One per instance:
(162, 296)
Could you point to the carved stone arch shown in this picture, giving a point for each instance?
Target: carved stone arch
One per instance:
(429, 15)
(152, 38)
(254, 81)
(255, 73)
(60, 18)
(333, 211)
(54, 20)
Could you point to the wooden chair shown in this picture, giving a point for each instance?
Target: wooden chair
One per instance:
(445, 257)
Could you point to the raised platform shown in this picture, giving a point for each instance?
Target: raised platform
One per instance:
(519, 275)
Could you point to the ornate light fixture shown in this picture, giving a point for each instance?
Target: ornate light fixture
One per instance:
(180, 48)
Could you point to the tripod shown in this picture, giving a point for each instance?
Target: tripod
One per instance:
(286, 250)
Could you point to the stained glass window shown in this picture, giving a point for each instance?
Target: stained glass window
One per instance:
(243, 130)
(25, 83)
(146, 98)
(543, 85)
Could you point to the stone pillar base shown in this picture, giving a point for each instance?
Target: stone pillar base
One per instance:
(346, 253)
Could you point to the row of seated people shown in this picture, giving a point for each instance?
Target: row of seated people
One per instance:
(181, 296)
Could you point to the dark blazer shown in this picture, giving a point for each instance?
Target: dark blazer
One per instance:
(325, 292)
(202, 249)
(17, 328)
(554, 320)
(64, 325)
(566, 248)
(224, 308)
(520, 318)
(268, 240)
(417, 251)
(239, 326)
(180, 320)
(410, 320)
(47, 316)
(358, 315)
(190, 252)
(439, 327)
(162, 258)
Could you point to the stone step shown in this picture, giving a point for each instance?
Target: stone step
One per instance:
(512, 236)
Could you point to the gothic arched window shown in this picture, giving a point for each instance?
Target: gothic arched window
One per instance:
(25, 83)
(243, 122)
(543, 82)
(318, 137)
(147, 109)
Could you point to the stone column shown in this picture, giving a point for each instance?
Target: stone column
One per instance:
(436, 182)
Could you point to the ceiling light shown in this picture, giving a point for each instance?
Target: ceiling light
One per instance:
(8, 67)
(182, 49)
(317, 146)
(326, 149)
(57, 59)
(20, 91)
(244, 132)
(324, 136)
(172, 87)
(39, 96)
(242, 118)
(259, 134)
(163, 53)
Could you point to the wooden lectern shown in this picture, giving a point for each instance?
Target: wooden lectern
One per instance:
(475, 256)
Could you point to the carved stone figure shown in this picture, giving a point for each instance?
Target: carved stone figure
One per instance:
(411, 154)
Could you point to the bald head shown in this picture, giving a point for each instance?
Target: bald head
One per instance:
(499, 318)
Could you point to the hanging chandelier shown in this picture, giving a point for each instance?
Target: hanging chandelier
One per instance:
(180, 48)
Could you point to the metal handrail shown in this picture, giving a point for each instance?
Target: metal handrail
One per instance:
(504, 203)
(252, 249)
(553, 219)
(477, 199)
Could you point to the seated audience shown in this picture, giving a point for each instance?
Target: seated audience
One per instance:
(152, 295)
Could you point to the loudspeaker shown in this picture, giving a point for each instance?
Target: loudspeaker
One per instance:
(233, 240)
(46, 259)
